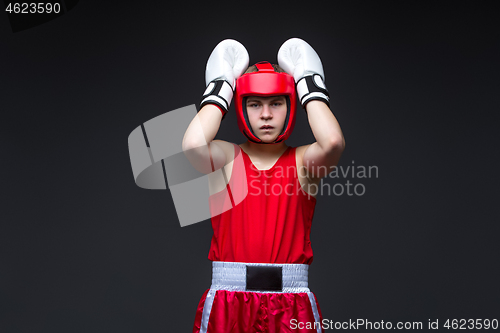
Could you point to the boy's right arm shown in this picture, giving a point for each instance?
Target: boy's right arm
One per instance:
(205, 155)
(226, 63)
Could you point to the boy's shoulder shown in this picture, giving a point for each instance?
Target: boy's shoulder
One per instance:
(227, 148)
(225, 145)
(299, 152)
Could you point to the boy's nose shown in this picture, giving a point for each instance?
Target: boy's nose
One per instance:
(266, 111)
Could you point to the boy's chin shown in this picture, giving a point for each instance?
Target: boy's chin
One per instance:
(268, 140)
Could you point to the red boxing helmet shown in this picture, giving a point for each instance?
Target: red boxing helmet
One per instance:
(265, 82)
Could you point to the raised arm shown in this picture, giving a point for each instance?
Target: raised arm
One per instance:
(205, 155)
(226, 63)
(324, 154)
(299, 59)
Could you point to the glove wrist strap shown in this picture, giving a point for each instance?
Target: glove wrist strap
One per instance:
(310, 88)
(219, 93)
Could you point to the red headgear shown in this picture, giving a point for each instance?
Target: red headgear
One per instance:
(265, 82)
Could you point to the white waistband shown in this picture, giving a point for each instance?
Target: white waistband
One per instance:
(232, 276)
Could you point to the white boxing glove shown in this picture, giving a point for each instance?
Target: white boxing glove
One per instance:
(300, 60)
(227, 62)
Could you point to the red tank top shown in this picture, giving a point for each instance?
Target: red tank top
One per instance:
(272, 223)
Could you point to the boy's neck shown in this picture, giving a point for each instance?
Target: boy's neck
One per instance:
(264, 149)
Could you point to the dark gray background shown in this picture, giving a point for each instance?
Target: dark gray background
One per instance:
(414, 86)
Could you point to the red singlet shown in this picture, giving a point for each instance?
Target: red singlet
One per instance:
(273, 222)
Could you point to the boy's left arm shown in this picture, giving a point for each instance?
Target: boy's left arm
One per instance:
(321, 156)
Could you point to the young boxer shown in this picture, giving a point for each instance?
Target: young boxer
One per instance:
(260, 249)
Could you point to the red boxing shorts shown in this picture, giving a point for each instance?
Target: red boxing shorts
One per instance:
(251, 298)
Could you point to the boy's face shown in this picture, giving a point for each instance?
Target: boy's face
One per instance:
(266, 111)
